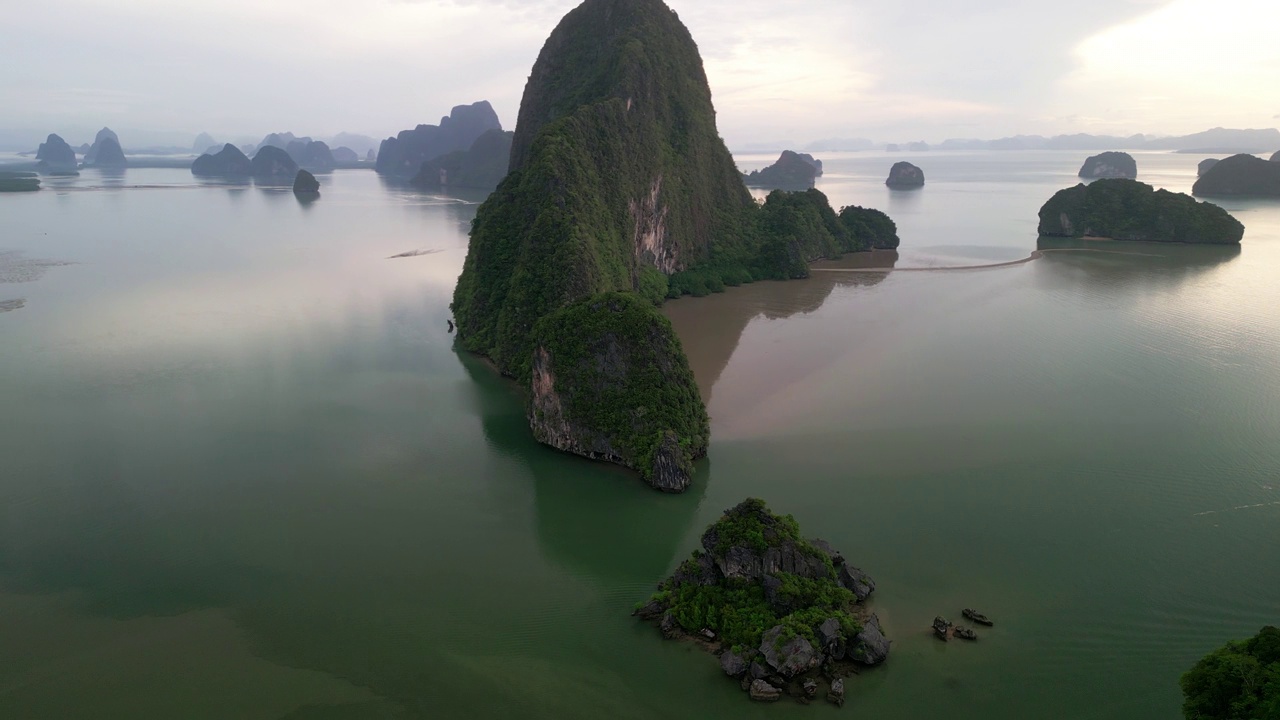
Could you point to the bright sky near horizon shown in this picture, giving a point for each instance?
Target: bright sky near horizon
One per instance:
(779, 71)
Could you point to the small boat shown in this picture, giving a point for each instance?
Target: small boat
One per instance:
(978, 617)
(964, 633)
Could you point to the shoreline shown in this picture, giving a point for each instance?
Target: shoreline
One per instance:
(1035, 255)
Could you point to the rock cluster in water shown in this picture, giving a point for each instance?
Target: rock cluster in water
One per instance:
(56, 156)
(905, 176)
(1110, 165)
(404, 154)
(1240, 176)
(784, 614)
(792, 171)
(105, 151)
(1120, 209)
(228, 162)
(480, 167)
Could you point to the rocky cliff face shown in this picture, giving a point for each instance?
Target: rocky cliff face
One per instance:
(229, 162)
(1240, 176)
(1129, 210)
(905, 176)
(1110, 165)
(105, 151)
(56, 156)
(271, 164)
(610, 383)
(404, 154)
(481, 167)
(792, 171)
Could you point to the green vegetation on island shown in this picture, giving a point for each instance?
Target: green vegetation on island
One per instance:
(1121, 209)
(610, 382)
(619, 182)
(780, 610)
(1240, 681)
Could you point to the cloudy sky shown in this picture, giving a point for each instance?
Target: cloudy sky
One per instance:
(779, 70)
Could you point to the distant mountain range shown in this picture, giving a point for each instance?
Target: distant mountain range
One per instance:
(1217, 140)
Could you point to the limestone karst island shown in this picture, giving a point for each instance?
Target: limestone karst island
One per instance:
(621, 194)
(639, 359)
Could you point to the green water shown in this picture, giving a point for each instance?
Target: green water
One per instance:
(243, 474)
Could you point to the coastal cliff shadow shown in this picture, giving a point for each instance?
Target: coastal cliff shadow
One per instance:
(599, 521)
(710, 328)
(1103, 266)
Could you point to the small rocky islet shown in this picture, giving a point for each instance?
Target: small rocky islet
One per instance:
(792, 171)
(306, 186)
(905, 176)
(1110, 165)
(787, 616)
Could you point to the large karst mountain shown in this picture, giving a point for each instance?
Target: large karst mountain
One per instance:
(617, 175)
(620, 194)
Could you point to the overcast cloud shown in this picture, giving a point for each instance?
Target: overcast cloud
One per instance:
(885, 69)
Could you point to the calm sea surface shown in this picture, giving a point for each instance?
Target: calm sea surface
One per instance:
(244, 474)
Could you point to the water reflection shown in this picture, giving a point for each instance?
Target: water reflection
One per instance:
(110, 178)
(1115, 266)
(597, 520)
